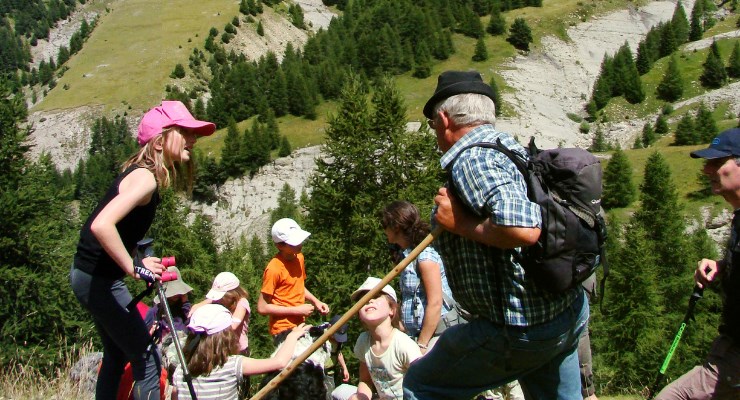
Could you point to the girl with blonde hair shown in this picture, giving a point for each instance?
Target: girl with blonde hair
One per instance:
(108, 240)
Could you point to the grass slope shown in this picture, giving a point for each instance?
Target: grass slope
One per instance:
(127, 61)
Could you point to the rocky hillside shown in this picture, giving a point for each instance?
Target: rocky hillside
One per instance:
(550, 81)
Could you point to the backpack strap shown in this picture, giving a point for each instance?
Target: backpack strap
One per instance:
(516, 158)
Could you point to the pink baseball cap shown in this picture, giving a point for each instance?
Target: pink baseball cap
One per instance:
(210, 319)
(223, 282)
(171, 113)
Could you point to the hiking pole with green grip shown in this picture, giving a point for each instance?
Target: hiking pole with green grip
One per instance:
(689, 316)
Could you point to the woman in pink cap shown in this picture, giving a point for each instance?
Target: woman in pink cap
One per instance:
(108, 239)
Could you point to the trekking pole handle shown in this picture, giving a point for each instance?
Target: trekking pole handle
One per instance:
(145, 249)
(695, 296)
(349, 314)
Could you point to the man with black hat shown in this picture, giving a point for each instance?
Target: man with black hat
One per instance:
(719, 376)
(518, 331)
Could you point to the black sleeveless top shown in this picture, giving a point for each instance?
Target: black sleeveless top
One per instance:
(90, 256)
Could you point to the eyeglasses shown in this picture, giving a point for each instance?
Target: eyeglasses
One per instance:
(432, 123)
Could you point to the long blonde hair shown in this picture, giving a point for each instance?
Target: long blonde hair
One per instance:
(159, 163)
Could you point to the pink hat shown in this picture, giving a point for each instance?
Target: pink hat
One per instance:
(210, 319)
(170, 113)
(224, 282)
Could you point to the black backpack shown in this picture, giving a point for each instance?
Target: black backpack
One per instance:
(566, 183)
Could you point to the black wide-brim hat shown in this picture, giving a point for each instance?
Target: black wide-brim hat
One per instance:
(451, 83)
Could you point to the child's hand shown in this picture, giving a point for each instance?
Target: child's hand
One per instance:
(298, 331)
(323, 308)
(305, 309)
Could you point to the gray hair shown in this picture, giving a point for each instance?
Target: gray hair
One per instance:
(468, 109)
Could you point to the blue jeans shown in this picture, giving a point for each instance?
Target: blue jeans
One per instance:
(124, 335)
(471, 358)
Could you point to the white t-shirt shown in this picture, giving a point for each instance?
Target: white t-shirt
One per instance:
(220, 384)
(387, 369)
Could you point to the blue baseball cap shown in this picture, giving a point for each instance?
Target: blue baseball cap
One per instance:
(726, 144)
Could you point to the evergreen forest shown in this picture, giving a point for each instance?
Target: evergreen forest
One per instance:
(372, 159)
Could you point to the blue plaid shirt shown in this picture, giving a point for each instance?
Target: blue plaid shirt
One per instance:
(413, 295)
(488, 281)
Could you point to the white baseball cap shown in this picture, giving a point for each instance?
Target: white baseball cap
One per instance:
(286, 230)
(369, 284)
(224, 282)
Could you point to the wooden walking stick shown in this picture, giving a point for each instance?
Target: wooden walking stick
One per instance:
(349, 314)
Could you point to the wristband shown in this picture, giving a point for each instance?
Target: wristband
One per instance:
(422, 346)
(144, 273)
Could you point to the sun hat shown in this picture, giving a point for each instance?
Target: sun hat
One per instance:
(170, 113)
(341, 334)
(726, 144)
(176, 287)
(224, 282)
(451, 83)
(286, 230)
(210, 319)
(370, 283)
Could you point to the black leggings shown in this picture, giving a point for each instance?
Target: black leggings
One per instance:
(124, 335)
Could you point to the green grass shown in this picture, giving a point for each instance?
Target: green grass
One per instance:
(126, 62)
(301, 132)
(685, 173)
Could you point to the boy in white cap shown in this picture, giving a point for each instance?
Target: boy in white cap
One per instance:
(283, 295)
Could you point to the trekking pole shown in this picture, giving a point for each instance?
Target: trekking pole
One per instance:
(144, 249)
(689, 316)
(349, 314)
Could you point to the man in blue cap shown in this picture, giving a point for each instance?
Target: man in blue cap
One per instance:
(719, 376)
(518, 331)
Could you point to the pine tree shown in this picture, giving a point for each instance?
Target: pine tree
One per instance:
(230, 153)
(733, 66)
(619, 191)
(643, 61)
(661, 215)
(685, 133)
(37, 238)
(598, 144)
(680, 24)
(497, 23)
(178, 72)
(422, 61)
(285, 148)
(633, 331)
(481, 54)
(602, 91)
(520, 34)
(497, 100)
(714, 75)
(668, 42)
(374, 160)
(648, 135)
(704, 125)
(287, 206)
(671, 87)
(696, 30)
(633, 91)
(661, 125)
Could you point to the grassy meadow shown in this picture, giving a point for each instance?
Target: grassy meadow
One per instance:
(126, 62)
